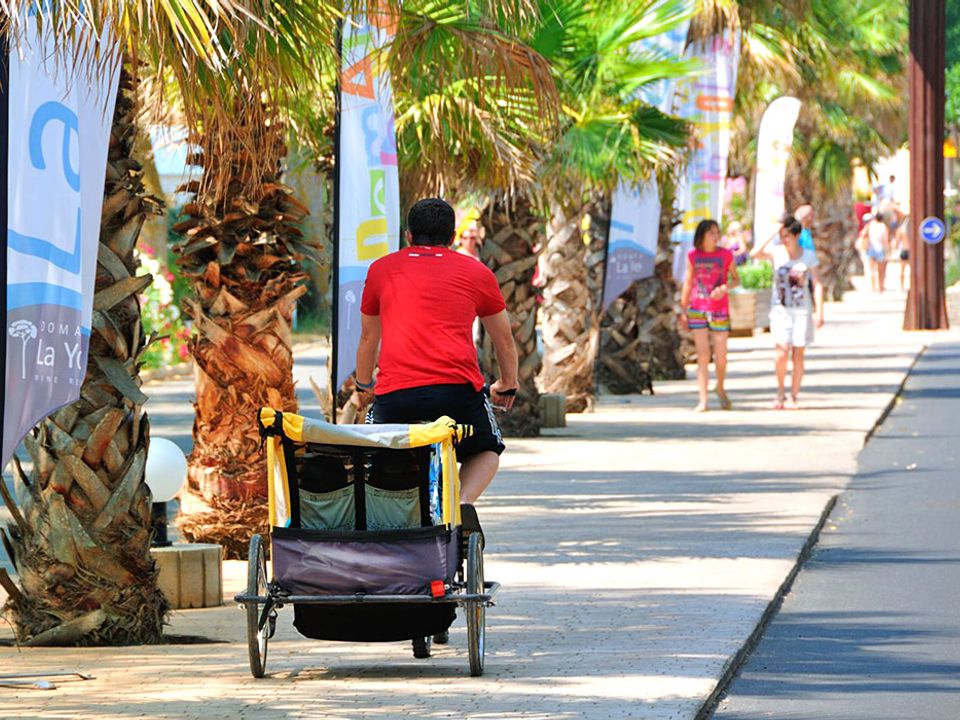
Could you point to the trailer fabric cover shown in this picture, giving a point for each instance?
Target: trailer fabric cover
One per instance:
(392, 562)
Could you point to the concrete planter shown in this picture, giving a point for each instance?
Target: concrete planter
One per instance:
(743, 313)
(763, 309)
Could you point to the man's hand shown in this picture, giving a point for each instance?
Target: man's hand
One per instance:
(684, 322)
(498, 397)
(820, 321)
(364, 398)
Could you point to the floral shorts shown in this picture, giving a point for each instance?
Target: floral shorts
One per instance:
(718, 321)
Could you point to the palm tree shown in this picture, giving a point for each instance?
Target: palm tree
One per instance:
(853, 88)
(607, 133)
(81, 539)
(844, 61)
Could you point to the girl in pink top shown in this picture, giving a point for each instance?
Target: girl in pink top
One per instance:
(711, 273)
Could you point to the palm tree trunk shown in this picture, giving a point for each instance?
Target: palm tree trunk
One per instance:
(241, 250)
(512, 231)
(81, 545)
(570, 323)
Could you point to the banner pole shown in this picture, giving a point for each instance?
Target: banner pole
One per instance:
(4, 217)
(335, 305)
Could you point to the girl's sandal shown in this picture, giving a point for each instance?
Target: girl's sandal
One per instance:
(778, 403)
(701, 408)
(725, 401)
(792, 404)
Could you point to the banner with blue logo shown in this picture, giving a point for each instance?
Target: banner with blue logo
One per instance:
(56, 109)
(368, 186)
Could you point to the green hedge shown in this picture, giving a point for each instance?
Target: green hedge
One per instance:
(756, 276)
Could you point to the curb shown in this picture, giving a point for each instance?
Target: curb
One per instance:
(733, 666)
(896, 397)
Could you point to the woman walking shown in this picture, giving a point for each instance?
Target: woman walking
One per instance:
(792, 307)
(711, 273)
(875, 239)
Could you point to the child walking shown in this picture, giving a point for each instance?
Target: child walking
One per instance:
(792, 307)
(711, 273)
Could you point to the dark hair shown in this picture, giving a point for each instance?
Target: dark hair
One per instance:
(703, 228)
(792, 225)
(431, 222)
(880, 217)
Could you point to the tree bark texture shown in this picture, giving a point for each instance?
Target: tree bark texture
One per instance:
(512, 233)
(241, 248)
(926, 302)
(80, 540)
(570, 324)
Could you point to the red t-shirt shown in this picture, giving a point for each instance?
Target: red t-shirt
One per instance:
(427, 299)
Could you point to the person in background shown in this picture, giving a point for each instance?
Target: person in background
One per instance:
(804, 214)
(735, 240)
(875, 241)
(901, 239)
(470, 239)
(792, 307)
(711, 273)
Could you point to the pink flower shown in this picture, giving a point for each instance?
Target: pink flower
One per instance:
(148, 251)
(169, 276)
(184, 352)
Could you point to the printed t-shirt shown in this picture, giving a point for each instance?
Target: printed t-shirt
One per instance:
(427, 299)
(710, 270)
(792, 278)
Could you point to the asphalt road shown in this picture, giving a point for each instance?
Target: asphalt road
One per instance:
(871, 628)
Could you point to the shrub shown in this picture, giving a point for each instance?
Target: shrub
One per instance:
(756, 276)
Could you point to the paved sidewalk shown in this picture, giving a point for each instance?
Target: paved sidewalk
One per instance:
(638, 548)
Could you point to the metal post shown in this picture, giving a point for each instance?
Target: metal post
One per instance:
(926, 303)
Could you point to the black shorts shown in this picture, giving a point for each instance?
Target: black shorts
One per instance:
(425, 404)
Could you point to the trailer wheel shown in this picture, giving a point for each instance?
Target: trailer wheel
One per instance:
(257, 638)
(476, 611)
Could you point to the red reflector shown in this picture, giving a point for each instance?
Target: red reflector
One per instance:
(437, 589)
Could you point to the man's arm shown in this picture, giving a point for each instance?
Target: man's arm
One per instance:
(498, 327)
(367, 353)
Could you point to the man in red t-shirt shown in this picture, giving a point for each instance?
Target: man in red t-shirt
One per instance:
(418, 308)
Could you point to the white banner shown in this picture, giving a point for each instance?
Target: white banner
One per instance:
(635, 214)
(369, 188)
(57, 133)
(773, 152)
(706, 100)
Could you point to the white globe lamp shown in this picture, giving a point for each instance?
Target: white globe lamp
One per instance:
(165, 475)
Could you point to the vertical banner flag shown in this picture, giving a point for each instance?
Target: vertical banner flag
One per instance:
(773, 152)
(635, 214)
(57, 109)
(706, 100)
(368, 187)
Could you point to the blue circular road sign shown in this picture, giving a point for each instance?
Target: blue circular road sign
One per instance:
(932, 230)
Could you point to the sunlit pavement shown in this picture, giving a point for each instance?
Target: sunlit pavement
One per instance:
(638, 548)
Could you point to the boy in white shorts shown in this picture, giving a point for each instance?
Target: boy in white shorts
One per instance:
(794, 310)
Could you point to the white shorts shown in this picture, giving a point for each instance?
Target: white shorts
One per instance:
(791, 326)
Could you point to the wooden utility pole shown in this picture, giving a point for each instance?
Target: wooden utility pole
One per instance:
(926, 303)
